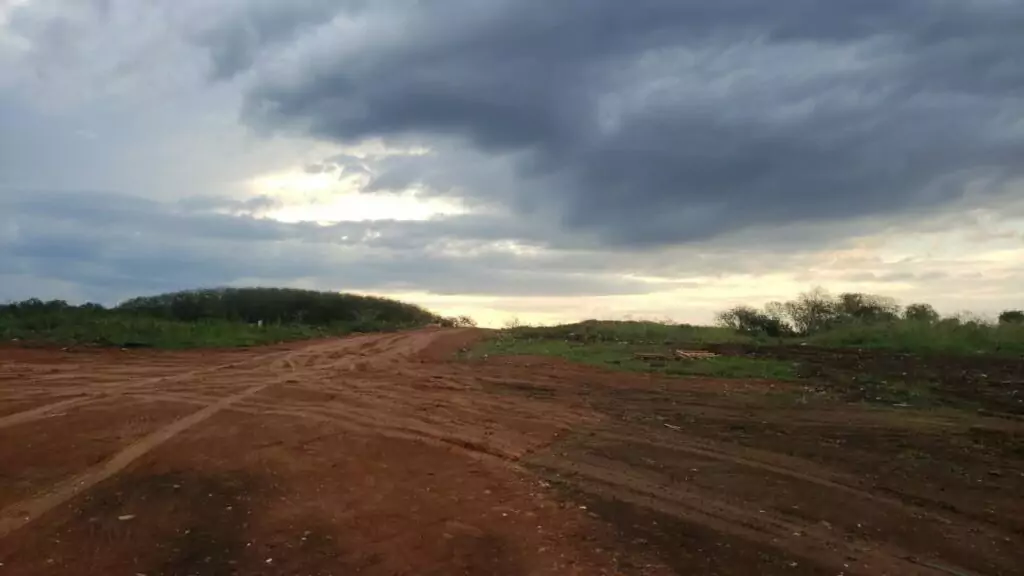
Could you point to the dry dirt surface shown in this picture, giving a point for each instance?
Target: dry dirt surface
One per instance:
(385, 454)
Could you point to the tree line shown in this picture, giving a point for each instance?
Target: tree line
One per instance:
(818, 311)
(252, 305)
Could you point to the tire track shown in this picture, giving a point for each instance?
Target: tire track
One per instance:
(804, 471)
(105, 390)
(810, 542)
(384, 386)
(20, 514)
(43, 411)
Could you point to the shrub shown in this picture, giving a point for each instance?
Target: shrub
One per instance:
(752, 321)
(458, 322)
(854, 306)
(1012, 317)
(812, 311)
(921, 313)
(865, 320)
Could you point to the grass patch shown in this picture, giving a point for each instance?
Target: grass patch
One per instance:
(899, 392)
(970, 338)
(631, 332)
(735, 367)
(150, 332)
(617, 353)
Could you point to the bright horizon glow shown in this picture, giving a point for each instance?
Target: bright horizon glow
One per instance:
(325, 198)
(335, 196)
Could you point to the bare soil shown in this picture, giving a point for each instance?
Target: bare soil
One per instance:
(383, 454)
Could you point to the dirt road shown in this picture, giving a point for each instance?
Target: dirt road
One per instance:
(383, 454)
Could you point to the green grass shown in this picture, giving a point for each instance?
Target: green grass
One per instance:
(942, 337)
(107, 329)
(628, 331)
(893, 391)
(967, 338)
(618, 353)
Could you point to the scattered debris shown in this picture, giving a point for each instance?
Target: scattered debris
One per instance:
(651, 356)
(677, 355)
(695, 354)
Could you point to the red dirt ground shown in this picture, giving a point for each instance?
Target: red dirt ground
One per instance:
(382, 454)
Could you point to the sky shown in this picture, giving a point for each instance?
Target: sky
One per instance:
(516, 159)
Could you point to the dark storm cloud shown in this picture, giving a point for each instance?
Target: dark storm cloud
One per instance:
(665, 121)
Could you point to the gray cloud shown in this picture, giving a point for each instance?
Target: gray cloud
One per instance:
(117, 245)
(659, 122)
(595, 143)
(254, 205)
(244, 28)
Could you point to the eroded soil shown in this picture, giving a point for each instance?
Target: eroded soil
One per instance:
(382, 454)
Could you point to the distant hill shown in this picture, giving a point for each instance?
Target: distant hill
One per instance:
(278, 306)
(211, 317)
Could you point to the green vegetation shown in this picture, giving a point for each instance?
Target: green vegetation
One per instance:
(949, 336)
(211, 318)
(615, 344)
(911, 355)
(279, 306)
(628, 331)
(899, 392)
(1012, 317)
(869, 321)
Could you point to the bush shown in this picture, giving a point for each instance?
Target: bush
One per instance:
(458, 322)
(857, 307)
(812, 312)
(1012, 317)
(924, 313)
(751, 321)
(854, 319)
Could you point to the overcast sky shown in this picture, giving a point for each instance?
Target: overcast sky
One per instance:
(516, 158)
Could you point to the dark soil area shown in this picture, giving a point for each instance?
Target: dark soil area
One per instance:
(987, 383)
